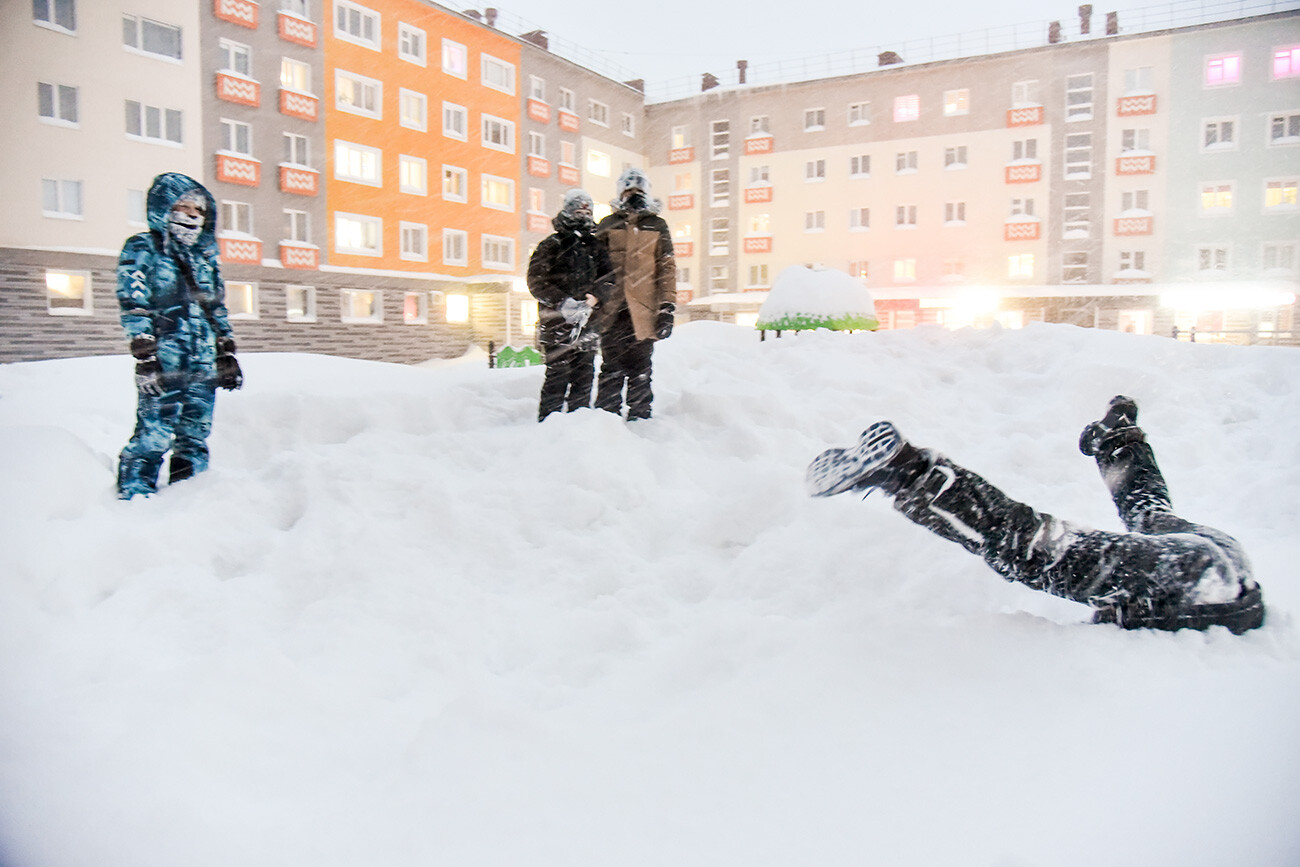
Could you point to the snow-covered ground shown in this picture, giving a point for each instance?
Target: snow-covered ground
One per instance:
(400, 623)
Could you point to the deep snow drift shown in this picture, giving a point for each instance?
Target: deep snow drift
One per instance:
(400, 623)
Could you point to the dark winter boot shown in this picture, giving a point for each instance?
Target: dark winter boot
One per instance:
(1117, 427)
(179, 469)
(881, 459)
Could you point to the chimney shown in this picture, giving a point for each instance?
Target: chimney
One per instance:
(491, 14)
(637, 84)
(536, 37)
(1112, 23)
(1054, 32)
(741, 66)
(709, 82)
(1085, 19)
(473, 13)
(888, 58)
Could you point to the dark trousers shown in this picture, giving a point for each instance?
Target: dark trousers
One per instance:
(1157, 575)
(567, 384)
(624, 362)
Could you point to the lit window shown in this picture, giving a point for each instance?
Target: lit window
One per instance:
(415, 308)
(760, 224)
(356, 24)
(1216, 198)
(684, 182)
(413, 175)
(455, 251)
(357, 94)
(68, 293)
(904, 270)
(1021, 266)
(411, 44)
(536, 200)
(57, 103)
(357, 163)
(413, 110)
(1280, 195)
(569, 153)
(598, 163)
(1223, 69)
(358, 234)
(151, 37)
(956, 102)
(457, 308)
(414, 241)
(498, 193)
(1286, 62)
(497, 74)
(241, 300)
(907, 108)
(680, 137)
(295, 75)
(300, 303)
(455, 59)
(61, 199)
(361, 306)
(860, 269)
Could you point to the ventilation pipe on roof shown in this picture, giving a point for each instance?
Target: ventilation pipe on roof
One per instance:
(1112, 23)
(888, 58)
(1054, 32)
(741, 66)
(536, 37)
(708, 82)
(491, 14)
(637, 84)
(1085, 19)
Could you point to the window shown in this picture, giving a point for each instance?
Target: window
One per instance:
(859, 218)
(1024, 93)
(720, 188)
(413, 175)
(297, 149)
(860, 269)
(537, 200)
(1077, 211)
(412, 44)
(455, 183)
(536, 144)
(956, 102)
(57, 103)
(413, 109)
(860, 166)
(1222, 69)
(1078, 97)
(760, 224)
(295, 75)
(568, 153)
(498, 252)
(1078, 156)
(859, 113)
(905, 217)
(680, 137)
(1284, 129)
(360, 306)
(1135, 140)
(1074, 267)
(953, 270)
(154, 124)
(455, 247)
(1022, 207)
(905, 162)
(1286, 62)
(1135, 200)
(241, 300)
(597, 112)
(61, 14)
(357, 94)
(814, 170)
(1280, 257)
(760, 125)
(498, 134)
(719, 235)
(498, 193)
(684, 182)
(537, 88)
(415, 308)
(954, 213)
(235, 57)
(414, 242)
(1280, 195)
(455, 59)
(356, 24)
(598, 163)
(1219, 134)
(151, 37)
(455, 121)
(904, 270)
(358, 234)
(357, 163)
(497, 74)
(68, 293)
(814, 221)
(814, 119)
(720, 139)
(954, 157)
(907, 108)
(758, 276)
(297, 226)
(301, 8)
(1140, 79)
(1211, 258)
(1024, 149)
(236, 217)
(1132, 260)
(1216, 198)
(627, 125)
(1020, 267)
(300, 303)
(236, 137)
(568, 101)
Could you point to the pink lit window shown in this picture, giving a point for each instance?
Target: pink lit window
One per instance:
(907, 108)
(1224, 69)
(1286, 62)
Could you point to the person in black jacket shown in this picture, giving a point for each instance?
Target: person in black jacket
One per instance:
(570, 275)
(1165, 573)
(642, 308)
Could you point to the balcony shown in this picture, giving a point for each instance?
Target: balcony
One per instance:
(1020, 229)
(1028, 115)
(240, 251)
(304, 257)
(684, 249)
(539, 167)
(299, 181)
(677, 156)
(300, 105)
(1135, 164)
(681, 201)
(1024, 173)
(758, 244)
(297, 30)
(539, 223)
(569, 175)
(758, 195)
(1134, 225)
(236, 88)
(762, 144)
(241, 12)
(539, 111)
(235, 169)
(567, 120)
(1133, 106)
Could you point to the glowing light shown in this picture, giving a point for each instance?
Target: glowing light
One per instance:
(1238, 298)
(458, 308)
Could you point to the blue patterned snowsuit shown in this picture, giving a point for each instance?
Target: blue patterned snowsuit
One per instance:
(185, 317)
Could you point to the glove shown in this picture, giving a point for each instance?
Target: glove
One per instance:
(148, 370)
(664, 327)
(229, 376)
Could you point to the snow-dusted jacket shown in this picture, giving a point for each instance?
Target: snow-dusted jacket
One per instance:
(645, 272)
(172, 292)
(568, 264)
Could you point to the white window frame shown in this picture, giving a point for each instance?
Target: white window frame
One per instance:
(758, 276)
(905, 217)
(599, 163)
(345, 307)
(462, 181)
(1288, 55)
(1291, 183)
(236, 217)
(1020, 266)
(598, 112)
(1077, 162)
(905, 270)
(907, 108)
(860, 113)
(236, 137)
(297, 226)
(1076, 216)
(720, 188)
(954, 158)
(1289, 120)
(412, 175)
(141, 115)
(367, 21)
(459, 117)
(568, 100)
(1215, 62)
(814, 171)
(452, 239)
(494, 128)
(63, 100)
(408, 230)
(906, 162)
(1076, 108)
(487, 181)
(496, 74)
(719, 139)
(537, 88)
(1074, 266)
(362, 220)
(295, 75)
(1217, 189)
(490, 245)
(956, 102)
(366, 85)
(1277, 248)
(859, 219)
(814, 119)
(860, 166)
(719, 236)
(627, 124)
(421, 300)
(536, 144)
(412, 44)
(954, 213)
(59, 15)
(297, 149)
(814, 221)
(1218, 257)
(55, 276)
(234, 55)
(408, 99)
(308, 293)
(455, 59)
(136, 45)
(343, 172)
(251, 292)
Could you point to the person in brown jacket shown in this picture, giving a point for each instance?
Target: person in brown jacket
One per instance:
(642, 306)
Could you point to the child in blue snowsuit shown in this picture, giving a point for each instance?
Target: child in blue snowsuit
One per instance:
(173, 308)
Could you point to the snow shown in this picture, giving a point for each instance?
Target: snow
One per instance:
(400, 623)
(819, 294)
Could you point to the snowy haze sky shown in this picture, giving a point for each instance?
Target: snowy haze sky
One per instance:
(675, 38)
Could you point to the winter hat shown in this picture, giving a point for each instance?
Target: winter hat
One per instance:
(577, 200)
(633, 179)
(193, 198)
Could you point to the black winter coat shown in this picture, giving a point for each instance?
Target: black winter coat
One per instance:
(567, 264)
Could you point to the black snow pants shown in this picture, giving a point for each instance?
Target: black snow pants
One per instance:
(1166, 573)
(624, 360)
(567, 383)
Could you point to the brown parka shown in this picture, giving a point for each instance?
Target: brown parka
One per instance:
(645, 272)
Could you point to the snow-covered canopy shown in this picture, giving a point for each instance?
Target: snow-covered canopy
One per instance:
(806, 298)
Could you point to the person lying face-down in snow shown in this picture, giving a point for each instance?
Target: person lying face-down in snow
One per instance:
(1165, 573)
